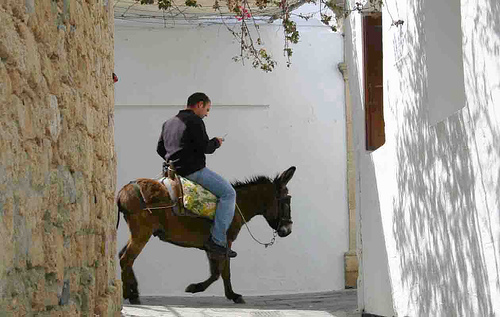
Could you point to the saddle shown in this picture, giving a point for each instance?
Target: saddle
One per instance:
(174, 186)
(189, 198)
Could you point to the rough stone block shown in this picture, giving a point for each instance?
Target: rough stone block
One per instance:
(25, 118)
(118, 292)
(98, 246)
(87, 277)
(54, 248)
(67, 188)
(50, 215)
(39, 153)
(69, 212)
(31, 66)
(88, 296)
(90, 247)
(74, 280)
(37, 255)
(15, 82)
(54, 118)
(102, 278)
(108, 305)
(8, 216)
(70, 310)
(101, 205)
(16, 309)
(38, 299)
(5, 87)
(78, 250)
(30, 6)
(65, 293)
(51, 297)
(11, 43)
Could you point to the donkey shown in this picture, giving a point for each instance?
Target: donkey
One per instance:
(141, 204)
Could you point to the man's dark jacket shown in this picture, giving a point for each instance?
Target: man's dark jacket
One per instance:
(184, 141)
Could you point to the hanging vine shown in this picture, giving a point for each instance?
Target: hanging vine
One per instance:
(246, 30)
(249, 49)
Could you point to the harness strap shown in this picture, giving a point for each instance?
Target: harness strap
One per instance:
(168, 184)
(138, 191)
(142, 201)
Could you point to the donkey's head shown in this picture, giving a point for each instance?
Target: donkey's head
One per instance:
(278, 215)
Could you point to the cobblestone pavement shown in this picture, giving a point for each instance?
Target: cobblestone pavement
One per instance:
(327, 304)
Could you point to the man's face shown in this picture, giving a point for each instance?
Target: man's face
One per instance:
(201, 109)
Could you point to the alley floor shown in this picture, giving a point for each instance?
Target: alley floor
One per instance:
(326, 304)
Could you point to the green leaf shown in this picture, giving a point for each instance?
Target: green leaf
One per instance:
(192, 3)
(164, 4)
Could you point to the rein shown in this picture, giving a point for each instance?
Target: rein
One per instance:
(275, 232)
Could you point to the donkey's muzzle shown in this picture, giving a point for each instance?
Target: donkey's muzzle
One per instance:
(285, 230)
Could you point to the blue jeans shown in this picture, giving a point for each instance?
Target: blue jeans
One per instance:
(226, 200)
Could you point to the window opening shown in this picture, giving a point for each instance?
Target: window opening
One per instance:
(373, 81)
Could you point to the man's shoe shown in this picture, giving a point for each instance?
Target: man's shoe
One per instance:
(231, 253)
(214, 248)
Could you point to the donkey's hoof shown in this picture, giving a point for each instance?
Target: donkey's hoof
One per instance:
(238, 299)
(194, 288)
(134, 301)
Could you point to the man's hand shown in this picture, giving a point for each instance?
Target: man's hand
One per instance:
(220, 140)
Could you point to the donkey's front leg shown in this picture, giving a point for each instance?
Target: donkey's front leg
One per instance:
(228, 288)
(215, 269)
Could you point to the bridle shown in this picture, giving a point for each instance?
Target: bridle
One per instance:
(283, 220)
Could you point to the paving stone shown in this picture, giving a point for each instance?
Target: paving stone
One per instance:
(326, 304)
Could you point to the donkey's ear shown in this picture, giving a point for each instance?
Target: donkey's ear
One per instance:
(286, 176)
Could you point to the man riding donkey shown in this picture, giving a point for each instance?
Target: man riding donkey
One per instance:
(183, 143)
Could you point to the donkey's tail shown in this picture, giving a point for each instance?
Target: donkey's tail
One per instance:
(120, 209)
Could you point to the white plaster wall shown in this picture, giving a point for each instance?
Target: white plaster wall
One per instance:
(438, 184)
(374, 289)
(292, 116)
(443, 37)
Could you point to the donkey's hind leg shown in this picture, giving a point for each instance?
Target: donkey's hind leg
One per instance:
(215, 270)
(127, 257)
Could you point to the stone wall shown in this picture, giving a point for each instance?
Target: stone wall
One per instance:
(57, 162)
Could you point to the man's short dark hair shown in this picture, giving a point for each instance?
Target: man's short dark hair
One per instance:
(197, 97)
